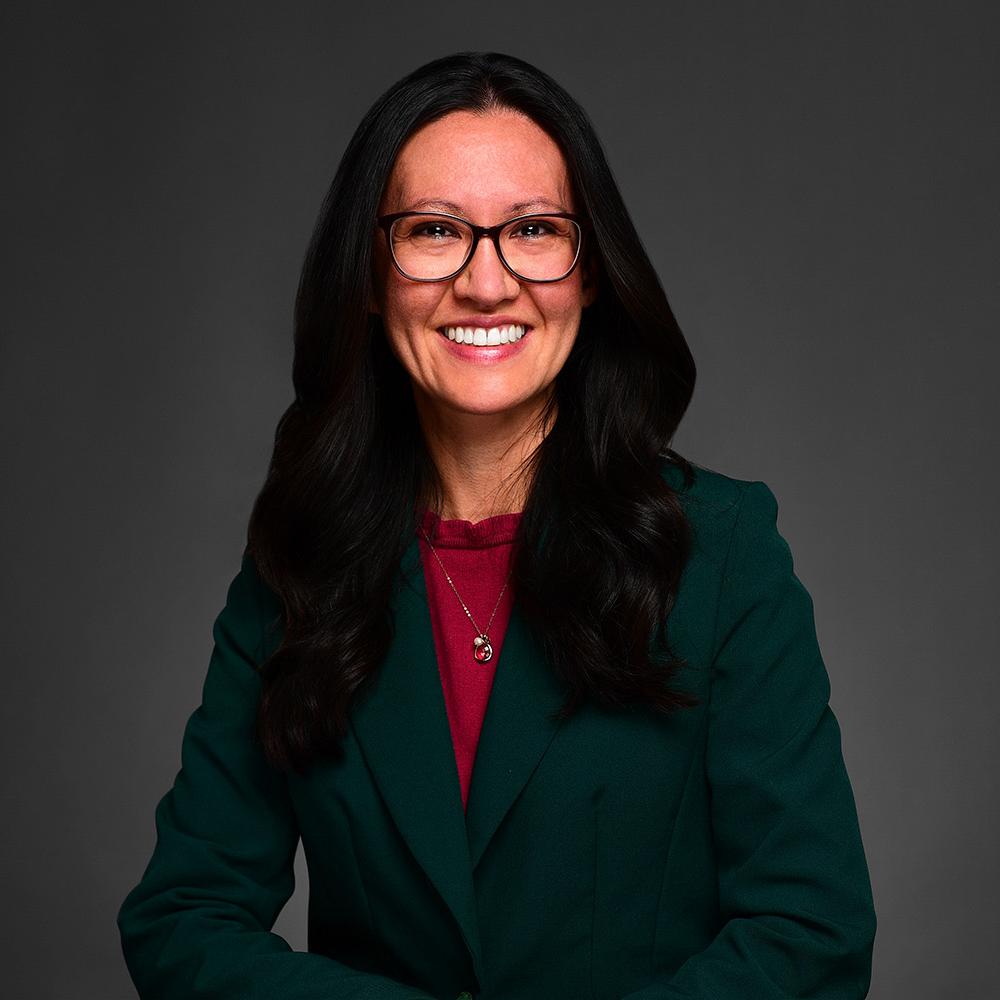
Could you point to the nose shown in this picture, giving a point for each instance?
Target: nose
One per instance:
(485, 279)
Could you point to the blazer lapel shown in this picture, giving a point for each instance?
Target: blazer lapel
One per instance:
(402, 728)
(516, 732)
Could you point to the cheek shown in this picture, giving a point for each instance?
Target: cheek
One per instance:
(562, 304)
(407, 309)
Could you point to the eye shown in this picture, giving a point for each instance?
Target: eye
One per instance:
(434, 230)
(427, 230)
(532, 229)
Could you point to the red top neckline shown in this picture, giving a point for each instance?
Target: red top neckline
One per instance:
(500, 529)
(478, 554)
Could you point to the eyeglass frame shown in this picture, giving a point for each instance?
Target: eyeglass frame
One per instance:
(492, 233)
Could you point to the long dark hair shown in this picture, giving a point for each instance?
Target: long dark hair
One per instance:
(598, 562)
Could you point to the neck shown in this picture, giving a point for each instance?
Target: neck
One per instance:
(482, 458)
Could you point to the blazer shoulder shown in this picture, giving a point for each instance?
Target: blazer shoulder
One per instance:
(711, 498)
(720, 507)
(258, 602)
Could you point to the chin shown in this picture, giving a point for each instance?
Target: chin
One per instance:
(486, 408)
(485, 402)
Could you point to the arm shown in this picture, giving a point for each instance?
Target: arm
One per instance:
(794, 888)
(197, 926)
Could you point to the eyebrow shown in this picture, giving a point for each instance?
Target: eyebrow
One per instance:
(516, 209)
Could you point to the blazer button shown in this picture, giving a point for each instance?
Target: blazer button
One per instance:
(464, 995)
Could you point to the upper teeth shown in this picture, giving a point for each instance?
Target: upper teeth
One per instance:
(482, 337)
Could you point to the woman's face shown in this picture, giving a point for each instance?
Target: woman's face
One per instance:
(486, 169)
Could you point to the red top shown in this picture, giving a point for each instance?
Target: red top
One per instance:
(476, 555)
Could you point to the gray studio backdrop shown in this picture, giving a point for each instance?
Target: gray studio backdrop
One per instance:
(817, 185)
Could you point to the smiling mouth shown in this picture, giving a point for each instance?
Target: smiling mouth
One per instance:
(481, 336)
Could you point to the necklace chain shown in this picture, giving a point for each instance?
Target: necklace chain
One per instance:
(482, 649)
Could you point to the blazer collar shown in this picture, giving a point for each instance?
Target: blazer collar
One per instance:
(402, 728)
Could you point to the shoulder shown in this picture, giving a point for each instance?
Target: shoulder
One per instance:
(252, 603)
(712, 500)
(740, 563)
(734, 523)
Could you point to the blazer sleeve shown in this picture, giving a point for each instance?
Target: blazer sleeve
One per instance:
(198, 924)
(794, 889)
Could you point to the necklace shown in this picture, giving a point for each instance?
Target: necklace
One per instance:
(482, 649)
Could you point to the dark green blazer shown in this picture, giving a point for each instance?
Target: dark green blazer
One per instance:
(713, 854)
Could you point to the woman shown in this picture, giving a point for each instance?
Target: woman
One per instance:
(542, 699)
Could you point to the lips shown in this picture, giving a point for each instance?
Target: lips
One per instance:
(480, 336)
(484, 354)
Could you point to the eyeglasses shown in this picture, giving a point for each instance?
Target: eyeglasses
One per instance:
(433, 246)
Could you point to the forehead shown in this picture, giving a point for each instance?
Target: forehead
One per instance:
(483, 164)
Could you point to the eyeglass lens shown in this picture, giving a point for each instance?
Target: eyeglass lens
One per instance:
(540, 248)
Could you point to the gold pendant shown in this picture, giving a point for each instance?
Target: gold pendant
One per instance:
(481, 648)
